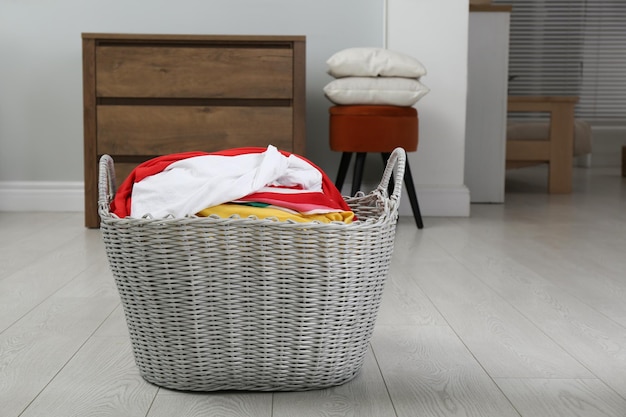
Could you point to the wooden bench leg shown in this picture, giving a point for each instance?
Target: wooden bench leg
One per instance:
(561, 150)
(558, 149)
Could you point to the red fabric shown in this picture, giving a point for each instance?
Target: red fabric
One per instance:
(121, 203)
(304, 202)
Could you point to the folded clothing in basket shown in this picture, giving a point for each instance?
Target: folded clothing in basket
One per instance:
(185, 184)
(264, 211)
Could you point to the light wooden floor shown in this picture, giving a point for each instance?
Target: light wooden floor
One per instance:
(519, 310)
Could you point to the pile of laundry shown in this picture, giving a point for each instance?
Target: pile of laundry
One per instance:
(259, 182)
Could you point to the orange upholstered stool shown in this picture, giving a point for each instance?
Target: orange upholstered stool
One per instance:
(380, 129)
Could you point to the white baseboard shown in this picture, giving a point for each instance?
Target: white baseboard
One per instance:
(41, 196)
(438, 201)
(435, 201)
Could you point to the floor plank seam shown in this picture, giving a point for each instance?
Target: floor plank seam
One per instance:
(579, 299)
(66, 363)
(382, 375)
(526, 317)
(156, 394)
(449, 325)
(43, 300)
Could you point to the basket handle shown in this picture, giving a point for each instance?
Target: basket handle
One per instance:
(106, 184)
(396, 160)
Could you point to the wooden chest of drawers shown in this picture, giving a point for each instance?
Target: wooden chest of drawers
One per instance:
(150, 95)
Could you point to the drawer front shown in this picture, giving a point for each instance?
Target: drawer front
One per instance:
(194, 72)
(159, 130)
(122, 170)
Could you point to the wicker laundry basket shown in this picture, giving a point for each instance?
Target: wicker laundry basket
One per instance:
(248, 304)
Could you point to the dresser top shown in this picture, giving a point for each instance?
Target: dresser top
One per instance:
(181, 37)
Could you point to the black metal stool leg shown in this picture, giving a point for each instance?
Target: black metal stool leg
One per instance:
(358, 172)
(343, 169)
(410, 188)
(386, 156)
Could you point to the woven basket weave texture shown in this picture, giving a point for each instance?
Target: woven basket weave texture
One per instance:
(246, 304)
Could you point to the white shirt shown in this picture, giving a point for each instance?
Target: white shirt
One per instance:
(187, 186)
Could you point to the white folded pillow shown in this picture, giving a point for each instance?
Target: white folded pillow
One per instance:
(391, 91)
(373, 62)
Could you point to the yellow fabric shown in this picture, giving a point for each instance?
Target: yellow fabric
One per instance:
(228, 209)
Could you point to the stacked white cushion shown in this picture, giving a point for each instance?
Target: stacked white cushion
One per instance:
(391, 91)
(373, 62)
(374, 76)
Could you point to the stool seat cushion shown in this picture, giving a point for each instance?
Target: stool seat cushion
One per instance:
(373, 128)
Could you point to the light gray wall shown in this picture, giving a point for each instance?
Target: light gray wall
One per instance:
(41, 71)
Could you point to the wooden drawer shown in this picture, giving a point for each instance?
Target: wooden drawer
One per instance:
(194, 72)
(159, 130)
(122, 170)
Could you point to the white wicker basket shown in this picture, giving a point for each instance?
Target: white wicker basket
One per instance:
(247, 304)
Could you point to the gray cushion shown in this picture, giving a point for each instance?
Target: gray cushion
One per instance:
(541, 130)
